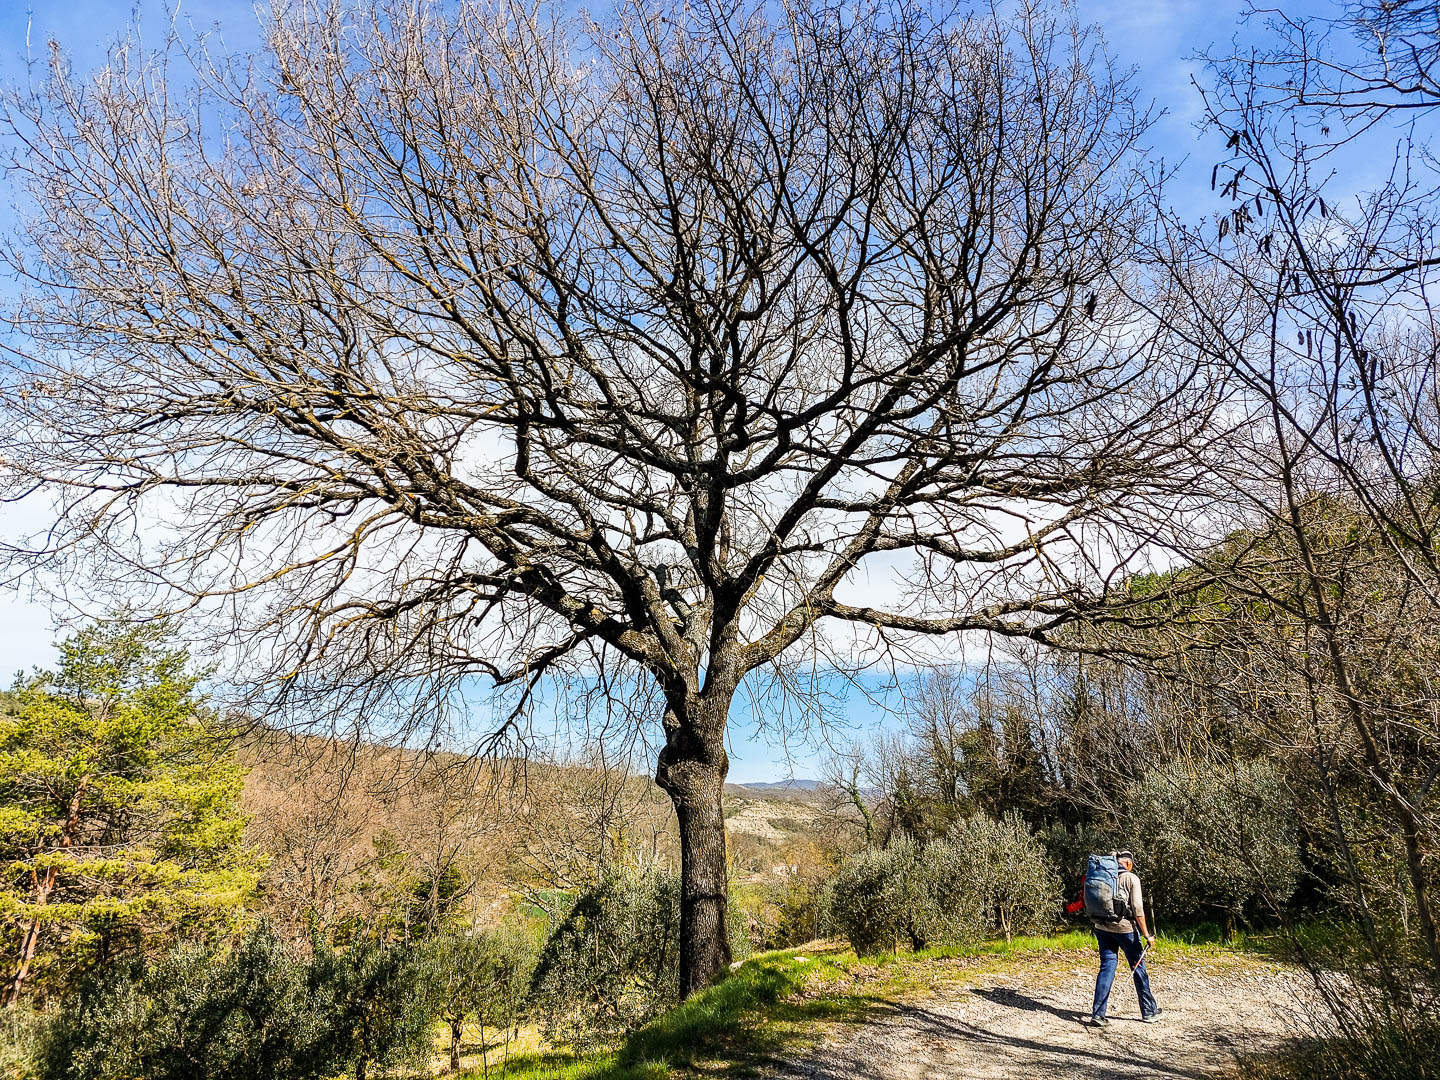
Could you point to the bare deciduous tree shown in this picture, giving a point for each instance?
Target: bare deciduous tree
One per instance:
(432, 346)
(1315, 285)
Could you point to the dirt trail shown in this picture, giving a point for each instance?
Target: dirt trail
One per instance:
(1027, 1027)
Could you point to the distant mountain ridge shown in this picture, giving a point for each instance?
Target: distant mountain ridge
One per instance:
(783, 785)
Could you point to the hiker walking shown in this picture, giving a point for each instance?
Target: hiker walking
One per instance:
(1115, 902)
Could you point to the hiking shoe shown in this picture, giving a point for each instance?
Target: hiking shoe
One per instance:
(1156, 1015)
(1099, 1021)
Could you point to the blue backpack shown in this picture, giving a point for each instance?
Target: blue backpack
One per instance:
(1105, 900)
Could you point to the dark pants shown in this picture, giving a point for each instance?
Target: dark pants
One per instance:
(1110, 947)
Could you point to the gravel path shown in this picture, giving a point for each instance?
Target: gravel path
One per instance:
(1009, 1027)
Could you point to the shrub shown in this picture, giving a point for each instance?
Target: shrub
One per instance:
(380, 999)
(612, 963)
(985, 876)
(195, 1014)
(902, 893)
(870, 900)
(249, 1013)
(1003, 875)
(798, 905)
(1216, 838)
(483, 976)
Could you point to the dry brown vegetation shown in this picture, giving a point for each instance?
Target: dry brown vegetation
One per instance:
(362, 835)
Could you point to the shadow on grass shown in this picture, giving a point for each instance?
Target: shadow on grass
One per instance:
(749, 1019)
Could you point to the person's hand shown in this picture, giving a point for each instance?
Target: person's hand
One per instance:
(1150, 938)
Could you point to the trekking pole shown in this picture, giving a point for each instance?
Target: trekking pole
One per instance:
(1156, 934)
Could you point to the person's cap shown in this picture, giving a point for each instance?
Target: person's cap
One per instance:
(1125, 855)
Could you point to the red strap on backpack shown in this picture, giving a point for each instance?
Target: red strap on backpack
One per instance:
(1074, 907)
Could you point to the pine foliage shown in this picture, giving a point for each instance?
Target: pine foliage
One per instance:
(119, 807)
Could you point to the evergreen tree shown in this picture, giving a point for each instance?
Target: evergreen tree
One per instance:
(119, 807)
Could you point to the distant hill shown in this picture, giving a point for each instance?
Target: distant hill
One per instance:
(779, 786)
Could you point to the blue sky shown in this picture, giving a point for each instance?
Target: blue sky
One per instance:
(1156, 36)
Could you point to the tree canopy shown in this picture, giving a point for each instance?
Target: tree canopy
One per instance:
(119, 813)
(442, 344)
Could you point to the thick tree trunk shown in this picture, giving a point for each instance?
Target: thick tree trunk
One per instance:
(692, 771)
(704, 891)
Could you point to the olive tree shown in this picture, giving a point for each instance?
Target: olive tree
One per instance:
(985, 876)
(611, 965)
(879, 896)
(484, 975)
(1218, 837)
(1008, 872)
(442, 343)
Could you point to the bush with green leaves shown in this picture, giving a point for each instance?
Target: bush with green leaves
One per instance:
(248, 1013)
(1215, 838)
(612, 963)
(983, 877)
(380, 998)
(482, 977)
(1002, 874)
(194, 1014)
(867, 902)
(903, 893)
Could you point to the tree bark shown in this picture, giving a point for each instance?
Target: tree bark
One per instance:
(691, 769)
(44, 886)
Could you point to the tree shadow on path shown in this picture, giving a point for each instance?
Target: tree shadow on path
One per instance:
(1013, 999)
(1031, 1055)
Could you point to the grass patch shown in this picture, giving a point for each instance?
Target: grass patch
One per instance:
(1329, 942)
(764, 1007)
(1187, 945)
(1068, 940)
